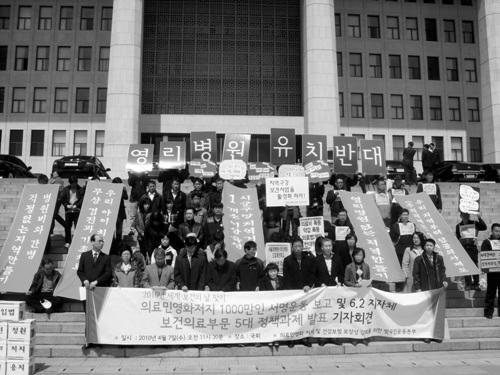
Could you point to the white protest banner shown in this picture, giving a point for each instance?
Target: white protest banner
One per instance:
(469, 199)
(234, 169)
(174, 317)
(287, 191)
(276, 252)
(291, 170)
(311, 228)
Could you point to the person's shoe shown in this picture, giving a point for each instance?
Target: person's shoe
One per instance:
(66, 245)
(488, 316)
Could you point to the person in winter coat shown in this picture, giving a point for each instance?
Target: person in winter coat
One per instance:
(357, 270)
(431, 189)
(156, 199)
(411, 253)
(221, 273)
(159, 274)
(125, 274)
(71, 200)
(190, 266)
(271, 279)
(329, 270)
(299, 268)
(249, 269)
(154, 232)
(429, 271)
(141, 221)
(42, 288)
(402, 234)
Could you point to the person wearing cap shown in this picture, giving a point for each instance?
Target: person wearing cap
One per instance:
(40, 296)
(159, 274)
(221, 273)
(190, 265)
(198, 188)
(125, 274)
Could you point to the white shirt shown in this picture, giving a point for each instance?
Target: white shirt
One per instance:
(329, 265)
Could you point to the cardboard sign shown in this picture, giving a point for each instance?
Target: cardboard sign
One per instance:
(172, 155)
(291, 170)
(236, 146)
(313, 148)
(317, 171)
(467, 231)
(283, 146)
(260, 171)
(276, 252)
(11, 310)
(287, 191)
(310, 229)
(140, 158)
(407, 229)
(341, 232)
(25, 244)
(489, 261)
(345, 155)
(203, 146)
(202, 168)
(372, 156)
(469, 199)
(429, 189)
(235, 169)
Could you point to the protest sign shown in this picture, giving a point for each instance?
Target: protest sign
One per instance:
(345, 155)
(372, 156)
(172, 155)
(235, 169)
(242, 220)
(489, 261)
(173, 317)
(260, 171)
(276, 252)
(291, 170)
(202, 168)
(236, 146)
(313, 148)
(203, 146)
(283, 149)
(140, 158)
(287, 191)
(372, 236)
(25, 244)
(317, 171)
(311, 228)
(469, 200)
(97, 216)
(429, 221)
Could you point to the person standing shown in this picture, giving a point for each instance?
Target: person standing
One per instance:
(190, 266)
(175, 194)
(411, 253)
(429, 271)
(431, 189)
(71, 200)
(94, 268)
(492, 278)
(154, 197)
(299, 268)
(410, 173)
(329, 271)
(357, 270)
(249, 269)
(383, 200)
(426, 159)
(221, 273)
(138, 189)
(125, 274)
(402, 234)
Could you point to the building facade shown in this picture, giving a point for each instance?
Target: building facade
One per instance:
(93, 76)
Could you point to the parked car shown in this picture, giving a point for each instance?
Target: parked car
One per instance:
(13, 167)
(80, 166)
(394, 168)
(492, 172)
(459, 171)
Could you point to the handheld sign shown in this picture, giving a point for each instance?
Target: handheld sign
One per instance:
(202, 168)
(489, 261)
(469, 199)
(311, 228)
(232, 169)
(204, 146)
(260, 171)
(283, 149)
(372, 156)
(172, 155)
(287, 191)
(276, 252)
(140, 158)
(236, 146)
(291, 170)
(345, 155)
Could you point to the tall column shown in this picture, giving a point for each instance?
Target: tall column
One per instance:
(489, 46)
(319, 64)
(124, 84)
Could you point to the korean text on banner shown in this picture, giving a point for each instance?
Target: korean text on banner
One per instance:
(140, 158)
(260, 171)
(311, 228)
(489, 261)
(372, 156)
(283, 146)
(372, 236)
(287, 191)
(276, 252)
(234, 169)
(236, 146)
(314, 157)
(345, 155)
(430, 222)
(98, 215)
(200, 318)
(469, 199)
(172, 155)
(242, 220)
(204, 146)
(25, 244)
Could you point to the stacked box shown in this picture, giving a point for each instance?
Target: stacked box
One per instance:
(20, 367)
(12, 310)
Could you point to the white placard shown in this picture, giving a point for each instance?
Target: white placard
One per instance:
(234, 169)
(287, 191)
(276, 252)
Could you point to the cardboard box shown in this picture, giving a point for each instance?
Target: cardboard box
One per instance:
(20, 351)
(12, 310)
(3, 351)
(20, 367)
(21, 331)
(3, 331)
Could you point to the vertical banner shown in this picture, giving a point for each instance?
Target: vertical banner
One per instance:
(372, 156)
(276, 252)
(242, 220)
(469, 200)
(429, 221)
(172, 155)
(314, 157)
(287, 191)
(283, 146)
(311, 228)
(98, 215)
(345, 155)
(372, 236)
(204, 146)
(25, 244)
(236, 146)
(140, 158)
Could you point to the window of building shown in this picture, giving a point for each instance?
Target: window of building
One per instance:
(37, 142)
(454, 112)
(355, 65)
(411, 28)
(101, 100)
(3, 57)
(397, 112)
(418, 145)
(416, 107)
(104, 59)
(438, 142)
(42, 58)
(395, 66)
(338, 25)
(473, 109)
(354, 25)
(431, 30)
(392, 27)
(80, 143)
(456, 149)
(341, 104)
(16, 142)
(87, 18)
(63, 59)
(379, 137)
(82, 100)
(468, 31)
(259, 146)
(375, 61)
(476, 152)
(398, 146)
(357, 105)
(24, 18)
(429, 1)
(2, 100)
(4, 17)
(436, 109)
(45, 18)
(470, 70)
(21, 58)
(61, 100)
(84, 59)
(18, 99)
(451, 69)
(414, 67)
(40, 100)
(58, 142)
(377, 105)
(106, 18)
(450, 35)
(466, 2)
(374, 27)
(99, 143)
(433, 68)
(66, 18)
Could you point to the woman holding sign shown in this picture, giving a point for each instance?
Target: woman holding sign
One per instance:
(492, 245)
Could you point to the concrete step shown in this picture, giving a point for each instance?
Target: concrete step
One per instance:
(475, 332)
(60, 339)
(60, 327)
(469, 322)
(66, 317)
(464, 303)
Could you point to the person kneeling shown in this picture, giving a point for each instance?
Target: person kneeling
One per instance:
(40, 297)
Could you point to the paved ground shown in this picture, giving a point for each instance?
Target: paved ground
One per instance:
(435, 363)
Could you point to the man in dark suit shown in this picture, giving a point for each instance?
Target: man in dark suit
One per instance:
(94, 268)
(329, 270)
(299, 268)
(175, 195)
(427, 158)
(410, 173)
(190, 266)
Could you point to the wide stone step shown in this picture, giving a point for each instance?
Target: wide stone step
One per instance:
(475, 332)
(60, 327)
(466, 312)
(60, 339)
(65, 317)
(462, 322)
(464, 303)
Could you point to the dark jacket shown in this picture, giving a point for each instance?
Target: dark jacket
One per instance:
(100, 270)
(65, 196)
(156, 203)
(427, 275)
(214, 197)
(322, 275)
(408, 154)
(221, 278)
(37, 284)
(486, 246)
(297, 277)
(138, 185)
(212, 227)
(265, 283)
(469, 243)
(249, 272)
(193, 277)
(435, 198)
(401, 241)
(192, 227)
(351, 277)
(179, 201)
